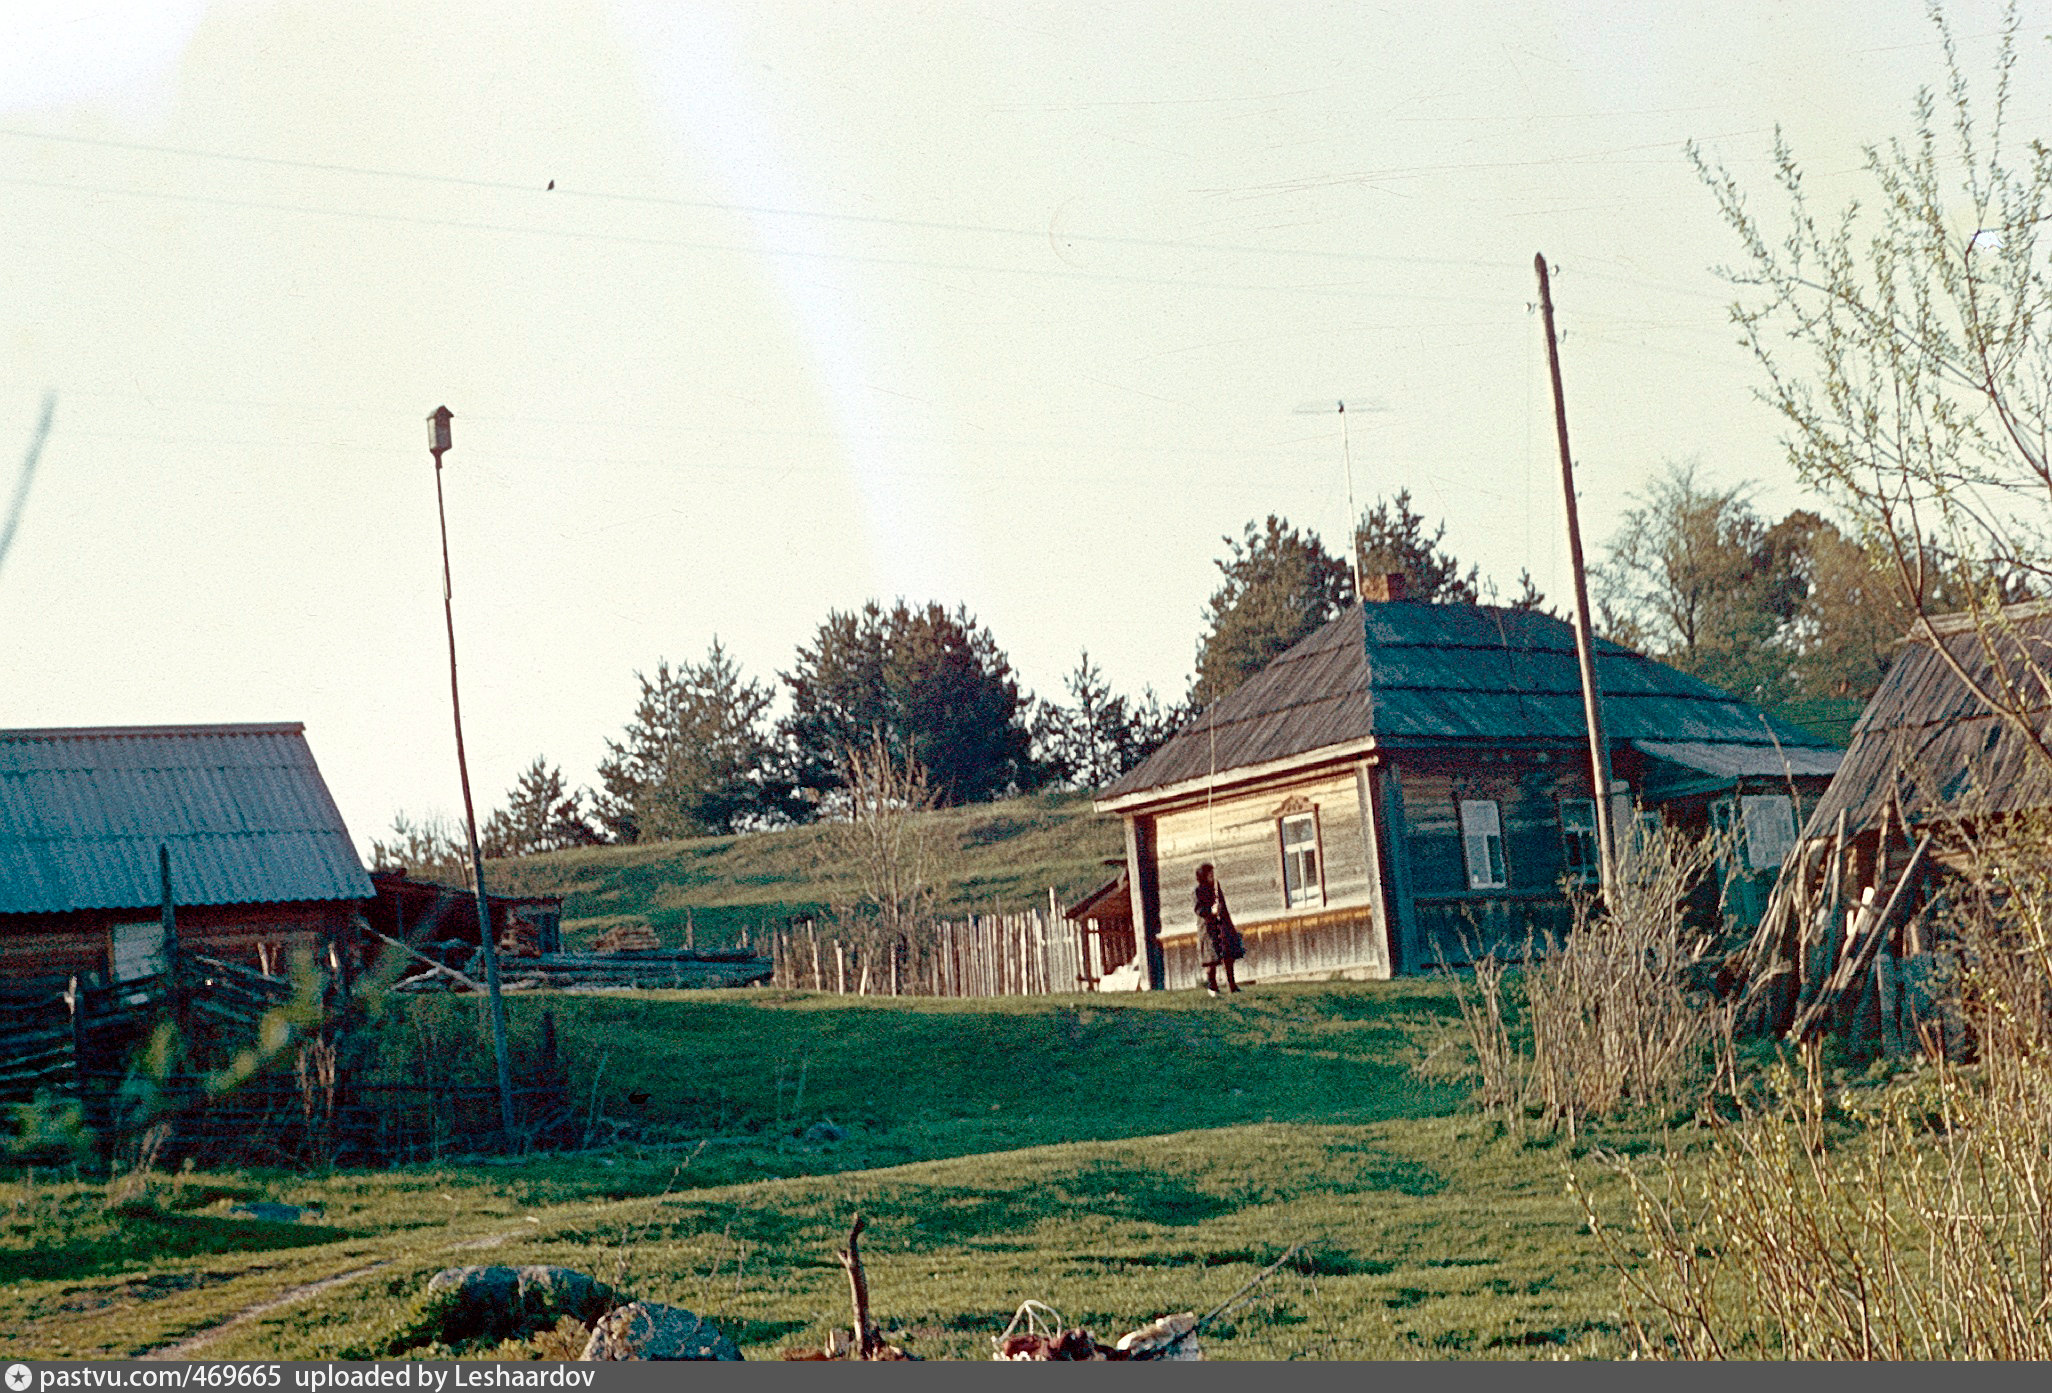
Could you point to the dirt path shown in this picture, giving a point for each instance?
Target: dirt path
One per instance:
(191, 1344)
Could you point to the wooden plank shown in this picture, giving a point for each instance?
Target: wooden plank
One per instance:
(1143, 886)
(1410, 954)
(1373, 850)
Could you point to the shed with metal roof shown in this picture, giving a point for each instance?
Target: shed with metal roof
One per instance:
(259, 861)
(1411, 780)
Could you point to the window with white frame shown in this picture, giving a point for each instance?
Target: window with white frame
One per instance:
(1578, 837)
(1769, 820)
(1302, 882)
(1482, 843)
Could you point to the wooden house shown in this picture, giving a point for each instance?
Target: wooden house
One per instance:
(260, 864)
(1412, 780)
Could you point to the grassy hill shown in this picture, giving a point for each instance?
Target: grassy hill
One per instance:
(1117, 1157)
(1001, 855)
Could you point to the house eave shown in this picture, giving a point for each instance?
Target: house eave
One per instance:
(1234, 779)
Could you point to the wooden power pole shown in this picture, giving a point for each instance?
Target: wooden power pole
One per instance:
(1585, 639)
(438, 444)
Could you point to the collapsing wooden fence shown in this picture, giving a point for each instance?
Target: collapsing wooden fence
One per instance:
(67, 1043)
(1030, 954)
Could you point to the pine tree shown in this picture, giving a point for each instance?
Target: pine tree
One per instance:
(697, 758)
(1280, 586)
(541, 814)
(933, 686)
(1390, 539)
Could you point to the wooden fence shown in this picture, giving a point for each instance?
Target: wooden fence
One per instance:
(1035, 953)
(70, 1043)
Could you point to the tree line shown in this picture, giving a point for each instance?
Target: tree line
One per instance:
(1775, 611)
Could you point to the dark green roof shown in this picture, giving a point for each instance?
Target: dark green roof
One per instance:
(1434, 676)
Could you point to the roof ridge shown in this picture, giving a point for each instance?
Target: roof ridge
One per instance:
(138, 732)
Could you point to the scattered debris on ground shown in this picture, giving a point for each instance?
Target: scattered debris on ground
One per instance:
(1038, 1334)
(563, 1314)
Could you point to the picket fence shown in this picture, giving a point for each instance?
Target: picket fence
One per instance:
(1035, 953)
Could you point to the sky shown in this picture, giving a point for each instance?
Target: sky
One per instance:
(747, 313)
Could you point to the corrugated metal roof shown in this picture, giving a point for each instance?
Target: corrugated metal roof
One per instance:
(242, 809)
(1927, 737)
(1419, 674)
(1745, 761)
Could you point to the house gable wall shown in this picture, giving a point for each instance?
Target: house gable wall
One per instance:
(1239, 835)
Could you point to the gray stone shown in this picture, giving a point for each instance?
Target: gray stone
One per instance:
(646, 1330)
(509, 1303)
(825, 1132)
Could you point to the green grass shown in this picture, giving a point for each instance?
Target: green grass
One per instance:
(1002, 855)
(1117, 1158)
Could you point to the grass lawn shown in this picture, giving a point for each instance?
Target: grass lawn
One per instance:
(1115, 1158)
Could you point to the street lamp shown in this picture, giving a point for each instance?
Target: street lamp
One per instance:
(438, 445)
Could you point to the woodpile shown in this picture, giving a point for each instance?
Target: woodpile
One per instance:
(1845, 948)
(687, 968)
(627, 938)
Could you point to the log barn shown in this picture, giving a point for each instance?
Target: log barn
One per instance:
(1412, 781)
(1934, 782)
(261, 865)
(1930, 748)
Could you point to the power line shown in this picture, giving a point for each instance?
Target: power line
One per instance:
(759, 210)
(1327, 288)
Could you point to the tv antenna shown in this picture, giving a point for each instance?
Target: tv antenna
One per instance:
(1340, 408)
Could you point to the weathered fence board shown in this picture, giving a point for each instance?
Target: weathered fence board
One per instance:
(1034, 953)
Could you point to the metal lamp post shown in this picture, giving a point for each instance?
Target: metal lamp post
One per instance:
(438, 445)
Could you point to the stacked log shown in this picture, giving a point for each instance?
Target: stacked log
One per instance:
(689, 968)
(627, 938)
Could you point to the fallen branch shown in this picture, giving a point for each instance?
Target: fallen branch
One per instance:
(867, 1341)
(1263, 1275)
(438, 966)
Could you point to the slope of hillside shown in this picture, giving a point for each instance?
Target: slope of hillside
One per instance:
(1003, 855)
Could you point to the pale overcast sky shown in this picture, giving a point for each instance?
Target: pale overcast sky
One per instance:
(1012, 305)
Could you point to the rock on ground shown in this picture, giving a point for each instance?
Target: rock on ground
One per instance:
(647, 1330)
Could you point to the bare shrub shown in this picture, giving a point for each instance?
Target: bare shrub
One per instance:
(896, 850)
(1612, 1019)
(1912, 1221)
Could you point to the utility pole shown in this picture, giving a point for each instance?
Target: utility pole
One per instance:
(1585, 640)
(438, 444)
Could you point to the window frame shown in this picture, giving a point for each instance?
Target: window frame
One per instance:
(1782, 807)
(1576, 839)
(1304, 896)
(1495, 870)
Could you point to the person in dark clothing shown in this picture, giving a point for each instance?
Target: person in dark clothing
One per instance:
(1222, 944)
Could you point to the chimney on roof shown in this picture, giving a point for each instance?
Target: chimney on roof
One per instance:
(1384, 589)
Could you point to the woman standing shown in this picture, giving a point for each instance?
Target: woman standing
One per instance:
(1222, 944)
